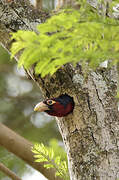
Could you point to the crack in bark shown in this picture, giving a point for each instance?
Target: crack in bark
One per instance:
(93, 138)
(99, 97)
(88, 101)
(21, 18)
(97, 92)
(75, 131)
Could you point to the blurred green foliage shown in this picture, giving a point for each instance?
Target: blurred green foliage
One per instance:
(4, 56)
(12, 162)
(12, 114)
(58, 149)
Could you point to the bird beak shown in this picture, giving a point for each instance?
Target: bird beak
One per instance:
(41, 107)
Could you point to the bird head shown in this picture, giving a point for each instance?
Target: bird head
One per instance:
(60, 106)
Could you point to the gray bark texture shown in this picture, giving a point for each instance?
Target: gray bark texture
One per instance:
(90, 133)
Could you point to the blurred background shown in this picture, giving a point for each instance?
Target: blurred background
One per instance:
(18, 96)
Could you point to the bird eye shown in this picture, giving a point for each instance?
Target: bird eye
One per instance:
(50, 102)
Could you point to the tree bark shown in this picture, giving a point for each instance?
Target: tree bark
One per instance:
(90, 134)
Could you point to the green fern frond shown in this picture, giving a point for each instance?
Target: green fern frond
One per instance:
(46, 154)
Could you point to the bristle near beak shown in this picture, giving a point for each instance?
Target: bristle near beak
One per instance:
(41, 107)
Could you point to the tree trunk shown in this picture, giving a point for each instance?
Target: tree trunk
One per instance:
(90, 133)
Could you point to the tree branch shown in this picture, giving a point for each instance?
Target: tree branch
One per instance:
(22, 148)
(8, 172)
